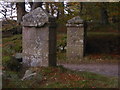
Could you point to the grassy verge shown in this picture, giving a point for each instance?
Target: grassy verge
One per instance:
(11, 45)
(59, 77)
(102, 34)
(92, 58)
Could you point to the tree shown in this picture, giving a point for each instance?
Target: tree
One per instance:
(7, 10)
(47, 6)
(81, 8)
(104, 13)
(20, 11)
(34, 5)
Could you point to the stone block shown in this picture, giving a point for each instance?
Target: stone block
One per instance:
(75, 38)
(39, 39)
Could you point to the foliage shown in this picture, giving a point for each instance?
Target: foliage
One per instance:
(11, 63)
(62, 41)
(9, 25)
(12, 45)
(63, 11)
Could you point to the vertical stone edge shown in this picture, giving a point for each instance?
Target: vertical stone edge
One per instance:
(1, 55)
(85, 25)
(52, 42)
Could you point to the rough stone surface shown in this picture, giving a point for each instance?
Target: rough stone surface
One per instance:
(28, 74)
(36, 18)
(75, 20)
(39, 43)
(75, 39)
(18, 56)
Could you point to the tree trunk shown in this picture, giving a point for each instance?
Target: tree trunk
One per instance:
(51, 9)
(61, 10)
(36, 4)
(81, 8)
(20, 13)
(31, 3)
(47, 6)
(104, 15)
(58, 14)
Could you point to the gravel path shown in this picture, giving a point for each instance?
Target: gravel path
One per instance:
(104, 69)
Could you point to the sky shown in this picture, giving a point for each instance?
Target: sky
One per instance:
(14, 11)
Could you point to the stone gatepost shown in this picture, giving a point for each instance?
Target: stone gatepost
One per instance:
(75, 38)
(39, 39)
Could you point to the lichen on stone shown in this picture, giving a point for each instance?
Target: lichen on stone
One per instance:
(75, 20)
(36, 18)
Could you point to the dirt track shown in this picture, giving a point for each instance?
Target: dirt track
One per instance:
(104, 69)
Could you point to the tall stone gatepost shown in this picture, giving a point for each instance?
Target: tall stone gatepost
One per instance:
(75, 38)
(39, 39)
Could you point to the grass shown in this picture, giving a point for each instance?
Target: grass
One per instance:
(13, 38)
(59, 77)
(102, 34)
(92, 58)
(11, 45)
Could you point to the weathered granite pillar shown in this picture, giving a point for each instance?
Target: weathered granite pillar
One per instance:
(75, 38)
(39, 39)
